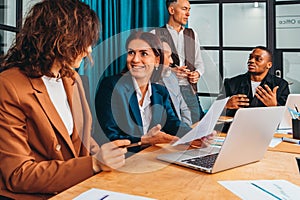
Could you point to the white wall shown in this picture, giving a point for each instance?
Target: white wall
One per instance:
(27, 4)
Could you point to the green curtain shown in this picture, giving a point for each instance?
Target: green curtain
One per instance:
(118, 18)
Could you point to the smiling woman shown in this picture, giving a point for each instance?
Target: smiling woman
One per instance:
(131, 105)
(141, 61)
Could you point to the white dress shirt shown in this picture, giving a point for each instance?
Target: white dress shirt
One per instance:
(178, 39)
(145, 108)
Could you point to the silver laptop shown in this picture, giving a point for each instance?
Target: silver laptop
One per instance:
(247, 141)
(286, 121)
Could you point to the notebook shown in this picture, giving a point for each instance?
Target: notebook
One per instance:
(246, 142)
(286, 121)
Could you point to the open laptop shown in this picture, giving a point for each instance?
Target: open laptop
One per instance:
(247, 141)
(286, 121)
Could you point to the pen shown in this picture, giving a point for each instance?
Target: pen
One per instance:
(293, 113)
(132, 145)
(295, 141)
(298, 162)
(296, 108)
(104, 197)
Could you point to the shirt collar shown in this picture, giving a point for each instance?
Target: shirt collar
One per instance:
(138, 91)
(171, 27)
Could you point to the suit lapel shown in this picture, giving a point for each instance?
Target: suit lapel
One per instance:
(49, 109)
(157, 107)
(74, 103)
(133, 103)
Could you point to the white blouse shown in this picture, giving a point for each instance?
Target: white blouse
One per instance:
(58, 96)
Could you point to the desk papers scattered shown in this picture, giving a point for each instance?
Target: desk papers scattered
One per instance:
(207, 123)
(263, 189)
(96, 194)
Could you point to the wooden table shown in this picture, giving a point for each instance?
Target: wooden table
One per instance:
(285, 146)
(144, 175)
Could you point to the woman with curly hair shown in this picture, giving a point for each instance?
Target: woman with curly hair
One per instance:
(45, 122)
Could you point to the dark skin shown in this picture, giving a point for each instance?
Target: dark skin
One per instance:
(259, 64)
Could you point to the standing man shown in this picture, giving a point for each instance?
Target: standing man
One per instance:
(257, 87)
(186, 55)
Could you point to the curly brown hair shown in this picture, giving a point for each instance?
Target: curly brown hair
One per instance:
(54, 30)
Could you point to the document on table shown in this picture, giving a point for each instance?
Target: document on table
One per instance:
(285, 131)
(207, 123)
(97, 194)
(263, 189)
(275, 141)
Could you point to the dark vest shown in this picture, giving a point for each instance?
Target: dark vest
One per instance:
(189, 47)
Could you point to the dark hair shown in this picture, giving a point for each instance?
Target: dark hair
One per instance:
(169, 2)
(54, 30)
(265, 49)
(154, 42)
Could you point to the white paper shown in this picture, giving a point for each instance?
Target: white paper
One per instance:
(275, 141)
(97, 194)
(263, 189)
(285, 131)
(207, 123)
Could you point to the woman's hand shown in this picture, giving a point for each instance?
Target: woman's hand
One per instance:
(204, 141)
(155, 136)
(110, 156)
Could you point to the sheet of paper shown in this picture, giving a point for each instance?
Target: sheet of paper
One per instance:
(97, 194)
(263, 189)
(285, 131)
(207, 123)
(275, 141)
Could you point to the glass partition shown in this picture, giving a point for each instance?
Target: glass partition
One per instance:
(209, 82)
(8, 12)
(6, 39)
(205, 21)
(291, 73)
(235, 63)
(288, 26)
(244, 24)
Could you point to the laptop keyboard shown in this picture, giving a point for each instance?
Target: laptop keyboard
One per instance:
(203, 161)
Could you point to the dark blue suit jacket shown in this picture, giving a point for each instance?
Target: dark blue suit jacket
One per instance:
(118, 111)
(241, 84)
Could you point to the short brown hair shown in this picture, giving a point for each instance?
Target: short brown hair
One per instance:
(53, 30)
(169, 2)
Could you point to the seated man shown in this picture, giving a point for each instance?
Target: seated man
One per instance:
(257, 87)
(170, 81)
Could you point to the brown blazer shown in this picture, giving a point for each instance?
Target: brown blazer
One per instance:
(38, 158)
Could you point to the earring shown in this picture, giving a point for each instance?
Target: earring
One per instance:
(156, 68)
